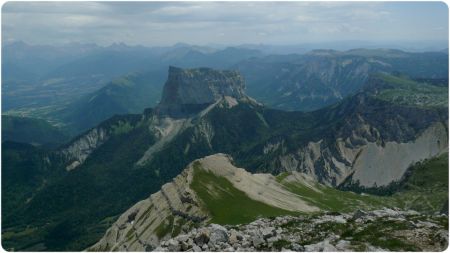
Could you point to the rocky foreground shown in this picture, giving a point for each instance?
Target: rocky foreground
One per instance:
(379, 230)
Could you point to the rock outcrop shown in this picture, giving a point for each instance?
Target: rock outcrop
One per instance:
(142, 226)
(177, 208)
(79, 150)
(176, 218)
(188, 91)
(378, 230)
(370, 163)
(370, 140)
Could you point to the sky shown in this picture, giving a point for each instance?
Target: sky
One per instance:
(233, 23)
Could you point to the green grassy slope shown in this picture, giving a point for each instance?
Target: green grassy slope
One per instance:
(407, 92)
(331, 199)
(426, 189)
(225, 203)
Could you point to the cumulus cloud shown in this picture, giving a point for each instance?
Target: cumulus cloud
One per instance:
(163, 23)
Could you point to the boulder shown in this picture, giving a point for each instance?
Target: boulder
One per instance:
(235, 237)
(442, 238)
(173, 245)
(268, 232)
(372, 248)
(246, 243)
(340, 219)
(324, 246)
(273, 239)
(426, 224)
(257, 240)
(343, 245)
(213, 247)
(182, 238)
(297, 247)
(218, 234)
(185, 246)
(391, 212)
(229, 249)
(411, 212)
(279, 231)
(196, 248)
(160, 249)
(202, 237)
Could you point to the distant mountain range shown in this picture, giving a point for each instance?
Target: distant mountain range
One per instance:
(294, 82)
(82, 85)
(324, 77)
(366, 141)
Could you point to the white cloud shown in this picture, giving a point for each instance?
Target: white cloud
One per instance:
(160, 23)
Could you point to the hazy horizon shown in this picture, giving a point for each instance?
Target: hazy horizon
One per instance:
(416, 24)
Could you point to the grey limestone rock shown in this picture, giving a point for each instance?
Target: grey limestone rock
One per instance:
(257, 240)
(268, 232)
(188, 91)
(173, 245)
(202, 237)
(358, 214)
(265, 234)
(235, 236)
(218, 234)
(196, 248)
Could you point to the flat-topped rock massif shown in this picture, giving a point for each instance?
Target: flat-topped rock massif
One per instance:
(188, 91)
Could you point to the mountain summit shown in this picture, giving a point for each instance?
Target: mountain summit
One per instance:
(188, 91)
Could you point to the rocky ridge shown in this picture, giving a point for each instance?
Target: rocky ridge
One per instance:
(377, 230)
(181, 206)
(141, 227)
(177, 207)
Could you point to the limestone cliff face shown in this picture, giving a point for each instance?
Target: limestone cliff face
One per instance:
(372, 141)
(77, 152)
(188, 91)
(369, 163)
(142, 226)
